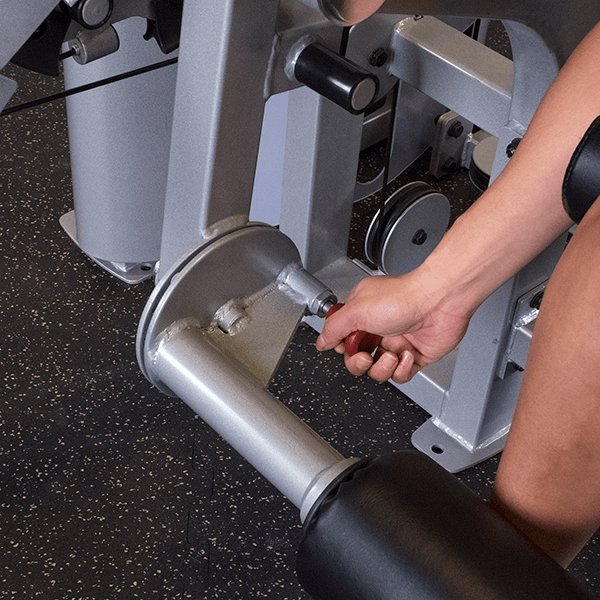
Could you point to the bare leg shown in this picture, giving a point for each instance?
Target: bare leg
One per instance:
(548, 483)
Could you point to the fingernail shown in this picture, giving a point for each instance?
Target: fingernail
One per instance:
(388, 361)
(363, 363)
(320, 343)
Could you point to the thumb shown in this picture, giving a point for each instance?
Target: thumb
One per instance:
(335, 330)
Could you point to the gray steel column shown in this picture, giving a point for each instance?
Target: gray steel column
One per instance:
(219, 389)
(321, 159)
(119, 142)
(219, 105)
(474, 405)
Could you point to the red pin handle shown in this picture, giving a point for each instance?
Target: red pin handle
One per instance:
(357, 341)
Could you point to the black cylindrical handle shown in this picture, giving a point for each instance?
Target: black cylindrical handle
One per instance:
(91, 14)
(336, 78)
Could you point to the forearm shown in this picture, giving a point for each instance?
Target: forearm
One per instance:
(522, 211)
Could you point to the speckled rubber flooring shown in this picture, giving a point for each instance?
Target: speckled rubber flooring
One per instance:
(108, 489)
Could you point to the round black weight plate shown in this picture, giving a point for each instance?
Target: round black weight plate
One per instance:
(415, 219)
(398, 201)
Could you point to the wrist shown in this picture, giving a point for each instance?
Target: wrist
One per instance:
(452, 281)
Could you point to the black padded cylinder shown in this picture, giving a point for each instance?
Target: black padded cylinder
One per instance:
(336, 78)
(581, 186)
(401, 527)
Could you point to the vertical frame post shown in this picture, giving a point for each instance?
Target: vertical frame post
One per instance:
(219, 106)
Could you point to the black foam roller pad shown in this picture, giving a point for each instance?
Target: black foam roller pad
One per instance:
(581, 186)
(401, 527)
(336, 78)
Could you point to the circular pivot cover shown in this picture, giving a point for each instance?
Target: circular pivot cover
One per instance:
(235, 264)
(415, 218)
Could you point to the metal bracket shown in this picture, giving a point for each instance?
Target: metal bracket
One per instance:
(130, 273)
(213, 333)
(451, 135)
(526, 313)
(245, 289)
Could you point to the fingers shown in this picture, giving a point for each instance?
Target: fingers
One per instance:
(359, 363)
(384, 367)
(388, 365)
(406, 369)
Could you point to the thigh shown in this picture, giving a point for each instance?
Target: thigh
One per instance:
(548, 483)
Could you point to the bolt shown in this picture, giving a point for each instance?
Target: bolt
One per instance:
(512, 147)
(536, 301)
(378, 58)
(420, 237)
(231, 317)
(456, 129)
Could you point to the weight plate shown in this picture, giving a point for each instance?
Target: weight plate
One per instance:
(399, 200)
(415, 220)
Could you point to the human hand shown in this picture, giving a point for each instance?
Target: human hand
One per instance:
(416, 330)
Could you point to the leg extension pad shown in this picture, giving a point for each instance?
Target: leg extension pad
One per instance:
(400, 526)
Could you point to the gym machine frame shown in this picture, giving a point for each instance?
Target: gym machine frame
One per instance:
(472, 393)
(198, 334)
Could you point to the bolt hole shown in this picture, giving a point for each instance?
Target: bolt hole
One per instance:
(437, 449)
(146, 268)
(420, 237)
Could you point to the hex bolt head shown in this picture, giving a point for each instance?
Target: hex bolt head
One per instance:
(536, 301)
(456, 129)
(512, 147)
(378, 57)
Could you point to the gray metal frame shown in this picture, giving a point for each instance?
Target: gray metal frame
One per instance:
(219, 104)
(20, 18)
(7, 88)
(471, 394)
(414, 120)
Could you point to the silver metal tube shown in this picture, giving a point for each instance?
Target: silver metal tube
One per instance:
(272, 438)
